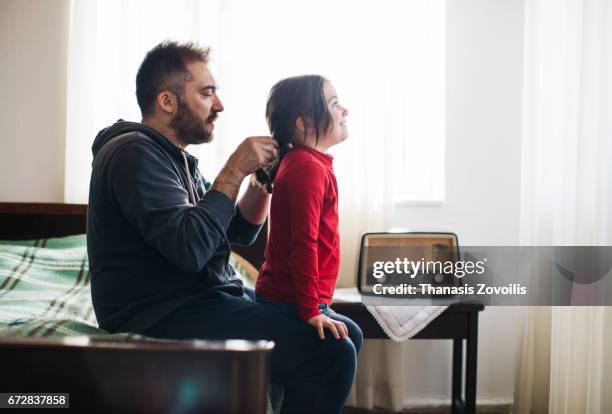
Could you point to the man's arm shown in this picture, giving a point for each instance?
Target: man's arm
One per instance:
(253, 153)
(150, 196)
(146, 188)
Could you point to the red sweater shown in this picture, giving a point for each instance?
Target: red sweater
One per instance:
(303, 250)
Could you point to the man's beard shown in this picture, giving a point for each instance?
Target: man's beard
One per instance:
(188, 127)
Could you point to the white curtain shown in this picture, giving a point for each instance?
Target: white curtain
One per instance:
(108, 40)
(386, 60)
(564, 364)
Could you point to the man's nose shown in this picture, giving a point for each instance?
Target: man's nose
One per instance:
(346, 111)
(217, 104)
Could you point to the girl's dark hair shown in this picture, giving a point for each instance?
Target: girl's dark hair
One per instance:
(290, 99)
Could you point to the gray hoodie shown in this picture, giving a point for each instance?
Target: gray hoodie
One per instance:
(151, 248)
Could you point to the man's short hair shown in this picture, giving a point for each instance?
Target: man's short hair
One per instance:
(165, 68)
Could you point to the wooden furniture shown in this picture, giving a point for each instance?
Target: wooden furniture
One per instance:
(458, 323)
(25, 221)
(150, 377)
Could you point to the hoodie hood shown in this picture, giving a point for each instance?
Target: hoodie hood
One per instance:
(122, 127)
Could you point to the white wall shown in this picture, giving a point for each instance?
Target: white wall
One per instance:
(484, 40)
(483, 160)
(33, 46)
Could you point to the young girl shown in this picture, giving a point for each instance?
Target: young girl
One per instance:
(303, 251)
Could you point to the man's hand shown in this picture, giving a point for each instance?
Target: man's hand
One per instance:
(251, 154)
(321, 322)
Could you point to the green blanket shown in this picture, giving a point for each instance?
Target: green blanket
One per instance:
(45, 289)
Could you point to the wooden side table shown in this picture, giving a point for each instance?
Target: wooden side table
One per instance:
(458, 322)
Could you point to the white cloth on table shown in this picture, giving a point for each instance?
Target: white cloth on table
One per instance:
(398, 322)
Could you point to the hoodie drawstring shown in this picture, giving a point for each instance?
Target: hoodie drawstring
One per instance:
(189, 180)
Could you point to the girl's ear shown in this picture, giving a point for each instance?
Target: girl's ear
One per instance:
(303, 125)
(300, 124)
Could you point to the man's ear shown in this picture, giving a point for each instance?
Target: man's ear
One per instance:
(166, 101)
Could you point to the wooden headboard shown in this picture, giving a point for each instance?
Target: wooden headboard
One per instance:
(24, 221)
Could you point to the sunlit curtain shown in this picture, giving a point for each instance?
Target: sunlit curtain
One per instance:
(108, 40)
(386, 59)
(565, 363)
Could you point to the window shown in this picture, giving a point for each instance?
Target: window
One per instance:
(385, 58)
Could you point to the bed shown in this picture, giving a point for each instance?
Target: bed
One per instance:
(50, 341)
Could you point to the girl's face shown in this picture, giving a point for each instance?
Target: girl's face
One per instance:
(337, 131)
